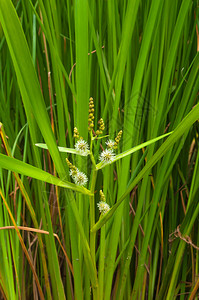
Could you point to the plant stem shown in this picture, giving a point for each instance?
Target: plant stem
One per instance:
(92, 215)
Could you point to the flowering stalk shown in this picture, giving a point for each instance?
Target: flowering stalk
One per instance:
(102, 260)
(92, 214)
(107, 156)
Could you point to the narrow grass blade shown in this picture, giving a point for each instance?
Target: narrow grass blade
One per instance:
(177, 133)
(132, 150)
(20, 167)
(64, 149)
(27, 78)
(23, 247)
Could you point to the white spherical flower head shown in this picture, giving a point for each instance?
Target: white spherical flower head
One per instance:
(82, 146)
(110, 144)
(80, 178)
(73, 173)
(103, 207)
(107, 156)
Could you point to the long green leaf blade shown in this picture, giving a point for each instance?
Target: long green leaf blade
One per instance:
(64, 149)
(132, 150)
(17, 166)
(177, 133)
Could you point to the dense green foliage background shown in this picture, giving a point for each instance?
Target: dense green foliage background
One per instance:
(139, 61)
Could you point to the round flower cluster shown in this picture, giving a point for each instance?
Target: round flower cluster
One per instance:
(107, 156)
(80, 178)
(103, 207)
(82, 147)
(110, 144)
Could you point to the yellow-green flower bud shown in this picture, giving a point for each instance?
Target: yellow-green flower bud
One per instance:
(117, 139)
(102, 197)
(71, 166)
(90, 114)
(76, 133)
(101, 127)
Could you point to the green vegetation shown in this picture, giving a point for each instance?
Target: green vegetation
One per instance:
(99, 149)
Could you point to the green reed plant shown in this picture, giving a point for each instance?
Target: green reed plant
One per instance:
(108, 223)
